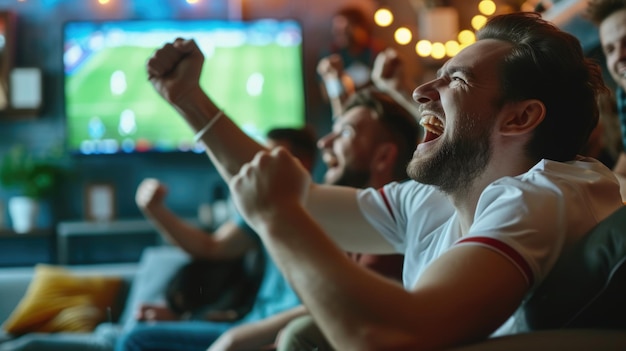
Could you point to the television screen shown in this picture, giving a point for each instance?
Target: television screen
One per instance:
(252, 70)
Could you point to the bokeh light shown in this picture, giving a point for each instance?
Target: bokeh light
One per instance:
(452, 48)
(466, 36)
(439, 51)
(383, 17)
(423, 48)
(403, 36)
(478, 21)
(487, 7)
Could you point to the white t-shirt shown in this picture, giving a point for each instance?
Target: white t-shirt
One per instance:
(530, 218)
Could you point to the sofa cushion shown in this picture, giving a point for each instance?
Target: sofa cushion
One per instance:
(59, 300)
(156, 267)
(587, 286)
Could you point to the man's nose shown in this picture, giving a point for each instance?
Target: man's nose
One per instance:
(426, 92)
(325, 141)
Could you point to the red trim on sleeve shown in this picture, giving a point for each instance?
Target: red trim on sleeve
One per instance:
(386, 200)
(506, 250)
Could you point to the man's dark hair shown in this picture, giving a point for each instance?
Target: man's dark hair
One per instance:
(302, 141)
(202, 286)
(356, 16)
(599, 10)
(548, 64)
(396, 120)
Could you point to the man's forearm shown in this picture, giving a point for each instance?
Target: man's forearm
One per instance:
(178, 232)
(226, 144)
(336, 291)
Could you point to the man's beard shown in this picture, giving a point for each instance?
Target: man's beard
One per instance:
(457, 163)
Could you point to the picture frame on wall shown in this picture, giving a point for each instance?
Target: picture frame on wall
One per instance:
(7, 54)
(100, 201)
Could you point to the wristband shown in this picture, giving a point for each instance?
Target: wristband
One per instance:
(334, 88)
(208, 126)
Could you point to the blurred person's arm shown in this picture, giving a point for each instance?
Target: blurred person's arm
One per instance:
(174, 70)
(228, 241)
(336, 85)
(388, 76)
(256, 335)
(271, 193)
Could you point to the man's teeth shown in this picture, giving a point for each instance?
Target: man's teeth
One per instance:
(432, 124)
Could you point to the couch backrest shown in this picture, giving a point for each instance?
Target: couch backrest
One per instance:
(587, 286)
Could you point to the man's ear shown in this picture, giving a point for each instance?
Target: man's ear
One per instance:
(384, 157)
(523, 117)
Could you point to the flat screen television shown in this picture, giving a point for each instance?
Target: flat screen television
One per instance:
(253, 71)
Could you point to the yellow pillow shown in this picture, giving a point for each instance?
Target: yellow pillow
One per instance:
(59, 300)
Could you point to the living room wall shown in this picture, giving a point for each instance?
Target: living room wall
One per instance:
(191, 177)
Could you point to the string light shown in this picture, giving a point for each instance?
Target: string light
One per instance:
(487, 7)
(424, 48)
(466, 37)
(403, 35)
(452, 48)
(478, 21)
(439, 51)
(383, 17)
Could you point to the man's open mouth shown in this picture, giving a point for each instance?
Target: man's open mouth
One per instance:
(433, 127)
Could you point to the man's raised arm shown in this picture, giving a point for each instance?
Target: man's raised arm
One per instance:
(174, 71)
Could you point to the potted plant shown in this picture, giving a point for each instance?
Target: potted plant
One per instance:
(33, 178)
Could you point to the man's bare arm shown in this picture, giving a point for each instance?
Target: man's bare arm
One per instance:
(337, 85)
(253, 336)
(388, 76)
(228, 241)
(174, 70)
(465, 295)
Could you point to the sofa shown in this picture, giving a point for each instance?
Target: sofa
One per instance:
(142, 281)
(580, 305)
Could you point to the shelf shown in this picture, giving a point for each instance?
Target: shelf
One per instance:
(117, 227)
(26, 249)
(40, 232)
(88, 242)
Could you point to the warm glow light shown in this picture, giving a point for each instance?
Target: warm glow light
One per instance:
(487, 7)
(403, 35)
(383, 17)
(423, 48)
(466, 36)
(104, 2)
(192, 1)
(452, 48)
(528, 6)
(439, 51)
(478, 21)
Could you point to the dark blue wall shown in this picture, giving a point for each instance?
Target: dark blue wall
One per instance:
(191, 177)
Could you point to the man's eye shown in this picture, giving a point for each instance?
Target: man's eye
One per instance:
(346, 133)
(458, 79)
(608, 49)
